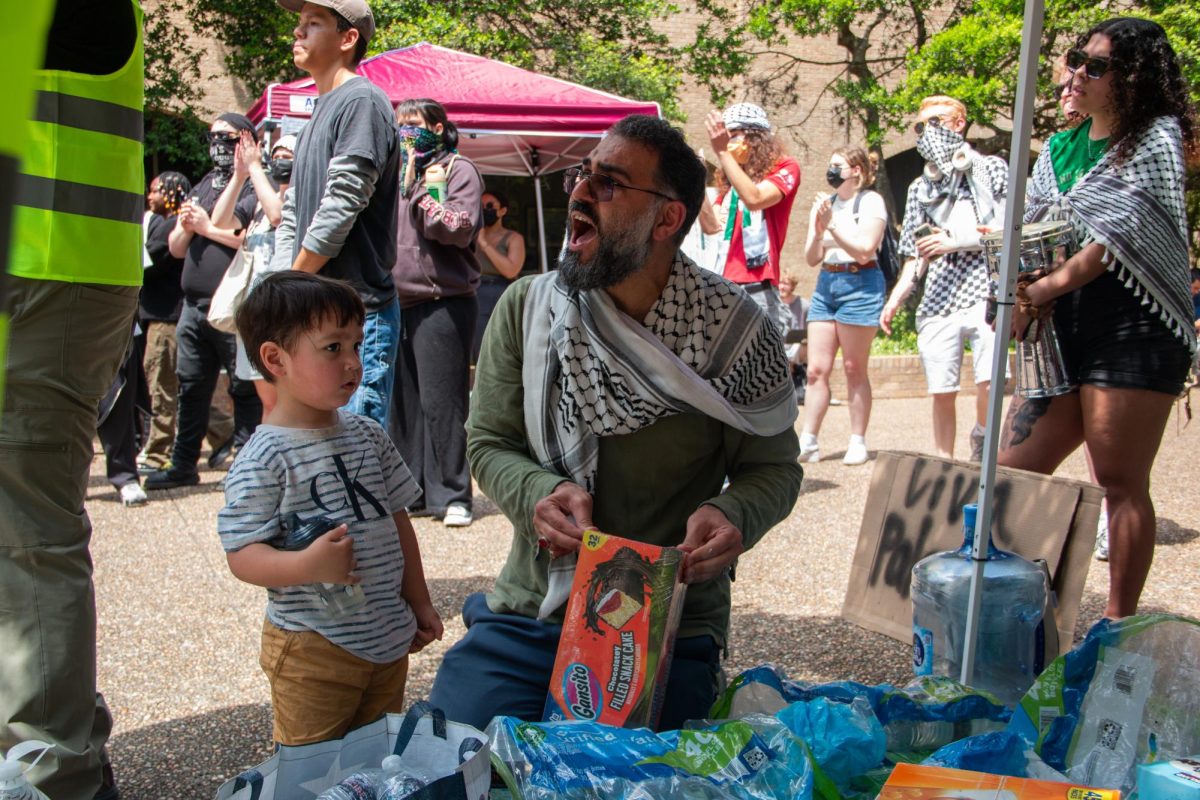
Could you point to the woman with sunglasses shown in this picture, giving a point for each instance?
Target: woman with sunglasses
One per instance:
(1120, 304)
(844, 232)
(501, 256)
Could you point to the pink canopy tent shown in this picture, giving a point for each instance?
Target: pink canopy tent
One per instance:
(512, 121)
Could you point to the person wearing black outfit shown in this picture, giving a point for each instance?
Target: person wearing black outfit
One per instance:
(203, 350)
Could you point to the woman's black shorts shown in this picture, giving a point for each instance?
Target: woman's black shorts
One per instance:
(1110, 339)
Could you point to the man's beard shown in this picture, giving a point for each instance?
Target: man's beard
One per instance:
(618, 254)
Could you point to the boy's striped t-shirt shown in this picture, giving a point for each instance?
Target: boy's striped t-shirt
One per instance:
(350, 473)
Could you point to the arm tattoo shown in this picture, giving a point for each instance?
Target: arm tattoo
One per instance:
(1019, 424)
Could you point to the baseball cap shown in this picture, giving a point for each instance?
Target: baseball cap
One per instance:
(287, 142)
(356, 12)
(746, 115)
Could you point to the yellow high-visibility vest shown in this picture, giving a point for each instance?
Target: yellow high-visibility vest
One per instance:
(22, 42)
(79, 195)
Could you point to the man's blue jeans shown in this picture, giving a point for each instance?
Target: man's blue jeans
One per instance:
(381, 338)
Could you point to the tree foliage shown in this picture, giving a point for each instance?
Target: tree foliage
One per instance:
(876, 37)
(605, 44)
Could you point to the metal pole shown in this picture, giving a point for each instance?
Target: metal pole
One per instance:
(1018, 170)
(537, 194)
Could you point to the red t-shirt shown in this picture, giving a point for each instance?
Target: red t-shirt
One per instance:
(786, 175)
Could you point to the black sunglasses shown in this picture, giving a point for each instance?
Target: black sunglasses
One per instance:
(1093, 67)
(222, 136)
(919, 127)
(601, 185)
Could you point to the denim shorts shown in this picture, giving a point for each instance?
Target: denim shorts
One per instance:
(851, 298)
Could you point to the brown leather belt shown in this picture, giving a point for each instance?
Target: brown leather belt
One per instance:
(849, 267)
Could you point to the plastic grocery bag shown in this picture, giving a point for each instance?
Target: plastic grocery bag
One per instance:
(422, 737)
(952, 710)
(1129, 693)
(755, 758)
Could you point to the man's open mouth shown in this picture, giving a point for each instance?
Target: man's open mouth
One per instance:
(583, 230)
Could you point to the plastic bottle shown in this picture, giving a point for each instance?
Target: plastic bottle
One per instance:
(1013, 601)
(358, 786)
(13, 783)
(910, 736)
(401, 780)
(435, 182)
(340, 599)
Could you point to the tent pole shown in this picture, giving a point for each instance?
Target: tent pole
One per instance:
(541, 217)
(1018, 171)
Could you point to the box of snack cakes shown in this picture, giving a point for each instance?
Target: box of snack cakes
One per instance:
(618, 633)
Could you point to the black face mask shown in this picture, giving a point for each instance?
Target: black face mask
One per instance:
(490, 215)
(281, 170)
(833, 176)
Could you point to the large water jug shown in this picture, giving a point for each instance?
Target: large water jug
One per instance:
(1010, 649)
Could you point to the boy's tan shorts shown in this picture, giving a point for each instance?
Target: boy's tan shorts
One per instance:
(320, 691)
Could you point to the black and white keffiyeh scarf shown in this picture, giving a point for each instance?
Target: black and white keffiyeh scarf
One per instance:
(950, 160)
(1135, 209)
(592, 371)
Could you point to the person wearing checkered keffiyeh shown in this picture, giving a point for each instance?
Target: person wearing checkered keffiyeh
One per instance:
(958, 191)
(618, 393)
(1121, 303)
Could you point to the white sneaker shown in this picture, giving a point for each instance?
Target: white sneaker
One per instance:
(458, 515)
(856, 453)
(132, 494)
(1102, 537)
(810, 453)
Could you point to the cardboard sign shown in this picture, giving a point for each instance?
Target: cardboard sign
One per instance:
(920, 782)
(618, 634)
(914, 508)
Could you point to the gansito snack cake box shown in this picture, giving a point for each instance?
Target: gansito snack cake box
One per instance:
(618, 633)
(918, 782)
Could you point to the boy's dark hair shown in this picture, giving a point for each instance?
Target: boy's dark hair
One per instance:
(1196, 273)
(286, 304)
(432, 112)
(360, 47)
(680, 172)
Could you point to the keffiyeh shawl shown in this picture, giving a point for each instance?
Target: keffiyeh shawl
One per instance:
(592, 371)
(1135, 209)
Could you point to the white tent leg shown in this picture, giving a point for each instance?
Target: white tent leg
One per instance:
(541, 218)
(1018, 170)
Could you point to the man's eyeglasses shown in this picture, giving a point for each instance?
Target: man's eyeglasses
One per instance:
(221, 136)
(1093, 67)
(919, 127)
(601, 185)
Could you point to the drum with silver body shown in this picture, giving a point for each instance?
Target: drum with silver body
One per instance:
(1041, 371)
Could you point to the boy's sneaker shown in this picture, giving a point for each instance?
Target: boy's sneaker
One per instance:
(810, 453)
(1102, 537)
(171, 479)
(133, 495)
(856, 453)
(458, 515)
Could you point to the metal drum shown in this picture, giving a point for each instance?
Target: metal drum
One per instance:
(1041, 371)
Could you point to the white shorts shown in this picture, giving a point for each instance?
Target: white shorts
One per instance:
(940, 341)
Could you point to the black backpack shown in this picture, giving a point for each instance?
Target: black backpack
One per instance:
(886, 256)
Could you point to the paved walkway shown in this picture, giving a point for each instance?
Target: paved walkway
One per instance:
(179, 635)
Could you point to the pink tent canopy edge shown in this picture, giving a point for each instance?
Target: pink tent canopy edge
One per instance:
(478, 93)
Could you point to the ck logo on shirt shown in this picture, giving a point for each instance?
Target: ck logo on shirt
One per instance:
(335, 491)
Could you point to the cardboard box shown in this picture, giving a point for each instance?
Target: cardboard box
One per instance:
(1177, 779)
(618, 633)
(917, 782)
(914, 508)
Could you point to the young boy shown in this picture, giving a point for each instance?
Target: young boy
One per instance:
(329, 673)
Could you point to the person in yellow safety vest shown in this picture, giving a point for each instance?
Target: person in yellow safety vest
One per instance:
(74, 274)
(21, 45)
